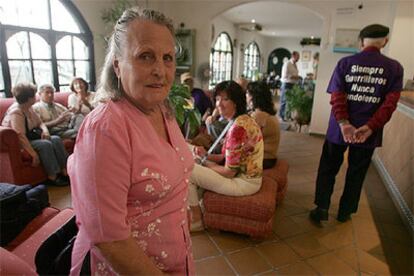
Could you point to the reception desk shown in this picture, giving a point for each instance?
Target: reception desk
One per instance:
(395, 159)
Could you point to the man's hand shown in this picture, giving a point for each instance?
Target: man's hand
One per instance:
(362, 134)
(45, 135)
(347, 131)
(64, 116)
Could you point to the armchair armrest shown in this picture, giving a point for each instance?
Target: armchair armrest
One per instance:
(9, 142)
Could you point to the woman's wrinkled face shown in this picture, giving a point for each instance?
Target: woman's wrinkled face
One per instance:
(225, 106)
(147, 65)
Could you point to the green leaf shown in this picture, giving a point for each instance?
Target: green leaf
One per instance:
(178, 96)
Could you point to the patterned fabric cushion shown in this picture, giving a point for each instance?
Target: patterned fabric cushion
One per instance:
(279, 174)
(259, 206)
(251, 227)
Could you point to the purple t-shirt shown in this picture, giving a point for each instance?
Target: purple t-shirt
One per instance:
(366, 78)
(201, 101)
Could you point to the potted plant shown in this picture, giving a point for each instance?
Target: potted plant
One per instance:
(299, 104)
(187, 116)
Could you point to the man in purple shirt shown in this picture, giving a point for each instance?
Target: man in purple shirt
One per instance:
(365, 89)
(201, 101)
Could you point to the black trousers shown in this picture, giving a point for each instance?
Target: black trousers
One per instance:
(329, 165)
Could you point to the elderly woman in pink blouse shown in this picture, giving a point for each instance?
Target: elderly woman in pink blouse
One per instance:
(131, 164)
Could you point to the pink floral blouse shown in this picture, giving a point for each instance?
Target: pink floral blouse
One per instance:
(243, 147)
(126, 182)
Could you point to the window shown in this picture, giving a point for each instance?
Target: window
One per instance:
(251, 61)
(44, 41)
(221, 59)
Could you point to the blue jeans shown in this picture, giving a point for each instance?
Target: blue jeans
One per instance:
(283, 89)
(52, 154)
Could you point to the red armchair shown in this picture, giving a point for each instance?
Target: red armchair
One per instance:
(15, 164)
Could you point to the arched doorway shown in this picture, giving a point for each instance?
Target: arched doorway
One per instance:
(276, 59)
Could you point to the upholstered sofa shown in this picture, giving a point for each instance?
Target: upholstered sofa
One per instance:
(15, 163)
(27, 221)
(18, 257)
(251, 215)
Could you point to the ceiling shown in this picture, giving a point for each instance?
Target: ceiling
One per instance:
(278, 19)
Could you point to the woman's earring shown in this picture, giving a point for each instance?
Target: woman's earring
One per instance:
(119, 83)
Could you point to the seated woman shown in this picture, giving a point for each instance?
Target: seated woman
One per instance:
(34, 136)
(81, 101)
(259, 101)
(242, 154)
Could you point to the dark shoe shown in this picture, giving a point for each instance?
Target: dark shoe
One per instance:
(61, 181)
(318, 214)
(343, 217)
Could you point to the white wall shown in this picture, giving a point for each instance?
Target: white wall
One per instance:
(401, 45)
(91, 11)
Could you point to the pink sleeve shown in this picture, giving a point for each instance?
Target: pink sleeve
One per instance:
(237, 136)
(100, 171)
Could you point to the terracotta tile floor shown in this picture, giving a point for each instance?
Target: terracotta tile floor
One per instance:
(374, 242)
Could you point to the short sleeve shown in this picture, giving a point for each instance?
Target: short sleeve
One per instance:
(235, 140)
(100, 174)
(337, 82)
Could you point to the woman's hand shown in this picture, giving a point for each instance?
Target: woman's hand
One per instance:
(35, 159)
(127, 258)
(199, 151)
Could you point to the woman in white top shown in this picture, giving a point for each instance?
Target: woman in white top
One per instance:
(81, 99)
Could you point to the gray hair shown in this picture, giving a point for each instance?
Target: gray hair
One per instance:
(378, 42)
(43, 87)
(108, 87)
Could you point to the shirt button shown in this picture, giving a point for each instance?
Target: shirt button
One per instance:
(182, 158)
(187, 181)
(182, 210)
(177, 148)
(185, 170)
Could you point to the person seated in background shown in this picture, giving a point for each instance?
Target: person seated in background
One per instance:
(55, 116)
(201, 101)
(242, 154)
(81, 100)
(259, 101)
(34, 135)
(215, 122)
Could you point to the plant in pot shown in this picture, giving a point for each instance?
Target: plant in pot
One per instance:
(299, 104)
(187, 116)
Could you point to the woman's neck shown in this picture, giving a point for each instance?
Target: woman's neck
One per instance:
(144, 109)
(26, 106)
